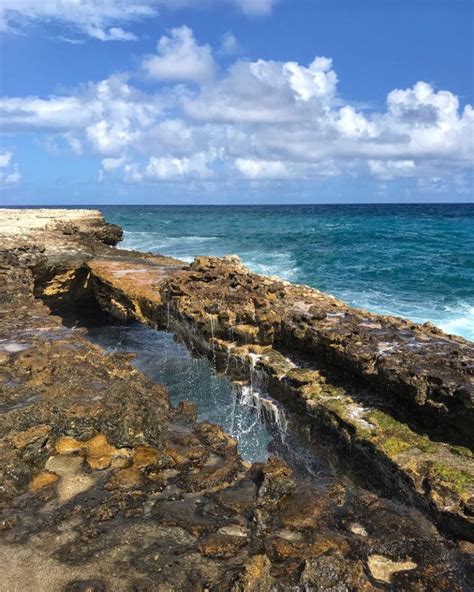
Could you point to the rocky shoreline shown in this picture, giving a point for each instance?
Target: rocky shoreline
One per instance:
(104, 486)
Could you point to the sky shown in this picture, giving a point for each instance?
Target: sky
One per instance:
(236, 101)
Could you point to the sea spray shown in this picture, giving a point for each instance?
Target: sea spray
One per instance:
(265, 408)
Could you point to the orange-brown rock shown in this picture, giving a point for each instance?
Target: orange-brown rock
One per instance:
(381, 391)
(90, 496)
(43, 479)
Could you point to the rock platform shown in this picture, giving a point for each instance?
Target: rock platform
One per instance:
(105, 486)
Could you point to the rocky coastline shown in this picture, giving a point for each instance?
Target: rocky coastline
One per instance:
(105, 486)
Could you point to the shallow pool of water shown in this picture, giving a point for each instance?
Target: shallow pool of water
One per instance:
(251, 417)
(167, 362)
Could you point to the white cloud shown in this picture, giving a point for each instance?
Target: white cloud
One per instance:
(257, 169)
(13, 177)
(229, 44)
(109, 115)
(99, 19)
(165, 169)
(132, 174)
(180, 58)
(388, 169)
(73, 142)
(111, 164)
(256, 7)
(422, 106)
(432, 185)
(353, 124)
(95, 18)
(258, 120)
(29, 113)
(262, 169)
(317, 81)
(5, 159)
(111, 34)
(9, 171)
(266, 91)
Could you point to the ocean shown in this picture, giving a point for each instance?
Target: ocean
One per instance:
(414, 261)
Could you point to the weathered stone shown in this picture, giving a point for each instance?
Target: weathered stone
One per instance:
(42, 479)
(106, 487)
(221, 545)
(23, 439)
(221, 309)
(382, 568)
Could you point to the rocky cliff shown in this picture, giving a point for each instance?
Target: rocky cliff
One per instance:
(105, 486)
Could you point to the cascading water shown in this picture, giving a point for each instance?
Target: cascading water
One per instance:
(265, 409)
(167, 362)
(212, 323)
(256, 421)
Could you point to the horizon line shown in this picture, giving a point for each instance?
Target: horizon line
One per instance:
(92, 205)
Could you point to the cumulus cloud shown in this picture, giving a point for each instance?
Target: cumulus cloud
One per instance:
(266, 91)
(180, 58)
(422, 106)
(354, 125)
(9, 171)
(177, 168)
(256, 169)
(108, 115)
(388, 169)
(262, 169)
(258, 120)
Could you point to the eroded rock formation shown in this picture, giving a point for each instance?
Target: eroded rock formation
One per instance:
(104, 486)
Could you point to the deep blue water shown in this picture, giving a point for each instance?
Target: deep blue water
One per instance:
(415, 261)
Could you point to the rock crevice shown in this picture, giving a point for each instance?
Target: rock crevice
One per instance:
(104, 486)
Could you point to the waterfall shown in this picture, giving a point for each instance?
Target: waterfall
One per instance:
(265, 408)
(212, 323)
(227, 361)
(253, 363)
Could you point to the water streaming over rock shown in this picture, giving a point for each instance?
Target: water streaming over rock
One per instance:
(245, 412)
(187, 378)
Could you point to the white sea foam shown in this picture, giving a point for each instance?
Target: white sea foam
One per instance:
(462, 323)
(152, 241)
(280, 265)
(456, 319)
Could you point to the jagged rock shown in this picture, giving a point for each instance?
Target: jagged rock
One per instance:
(389, 394)
(104, 486)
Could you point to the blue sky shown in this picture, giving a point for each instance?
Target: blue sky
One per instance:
(236, 101)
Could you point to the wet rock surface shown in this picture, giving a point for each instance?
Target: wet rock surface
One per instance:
(104, 486)
(326, 363)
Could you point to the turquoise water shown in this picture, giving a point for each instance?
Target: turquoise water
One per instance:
(167, 362)
(415, 261)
